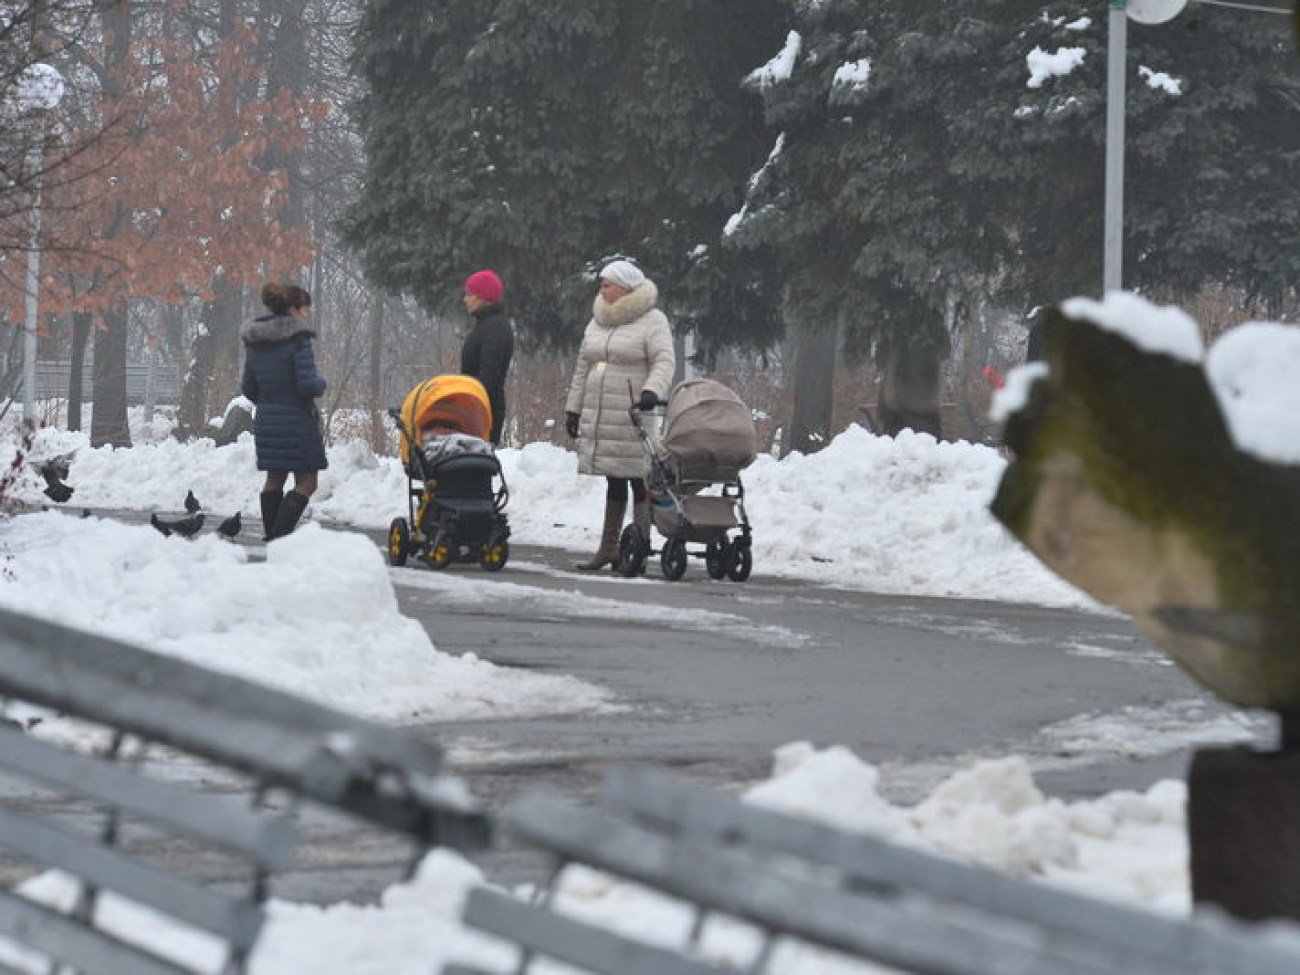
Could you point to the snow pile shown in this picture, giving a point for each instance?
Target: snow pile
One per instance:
(318, 618)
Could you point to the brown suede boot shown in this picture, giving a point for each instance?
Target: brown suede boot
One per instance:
(607, 554)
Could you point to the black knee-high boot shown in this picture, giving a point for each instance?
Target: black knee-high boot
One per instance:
(270, 508)
(291, 509)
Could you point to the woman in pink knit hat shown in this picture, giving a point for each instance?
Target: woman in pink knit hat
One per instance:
(490, 345)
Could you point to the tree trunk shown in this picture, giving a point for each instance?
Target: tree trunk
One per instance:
(81, 322)
(285, 56)
(814, 371)
(909, 393)
(108, 418)
(378, 437)
(211, 355)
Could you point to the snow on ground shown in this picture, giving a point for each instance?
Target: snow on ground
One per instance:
(309, 619)
(900, 515)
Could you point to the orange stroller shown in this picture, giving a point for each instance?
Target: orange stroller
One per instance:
(457, 493)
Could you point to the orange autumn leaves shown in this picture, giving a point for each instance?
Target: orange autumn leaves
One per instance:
(173, 184)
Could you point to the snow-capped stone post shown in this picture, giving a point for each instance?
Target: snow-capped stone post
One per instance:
(1168, 485)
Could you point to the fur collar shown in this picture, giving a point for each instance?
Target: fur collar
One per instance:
(272, 329)
(629, 308)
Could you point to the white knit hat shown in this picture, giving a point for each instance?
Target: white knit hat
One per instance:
(625, 274)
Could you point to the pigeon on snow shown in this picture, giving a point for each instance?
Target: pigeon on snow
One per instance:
(186, 527)
(53, 471)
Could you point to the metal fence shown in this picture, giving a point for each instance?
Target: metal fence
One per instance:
(54, 381)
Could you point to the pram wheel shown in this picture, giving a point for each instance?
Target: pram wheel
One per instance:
(717, 558)
(672, 560)
(495, 554)
(399, 542)
(633, 547)
(741, 562)
(440, 552)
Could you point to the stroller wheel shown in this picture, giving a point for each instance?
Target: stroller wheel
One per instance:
(399, 542)
(633, 547)
(440, 552)
(717, 557)
(742, 561)
(673, 559)
(495, 554)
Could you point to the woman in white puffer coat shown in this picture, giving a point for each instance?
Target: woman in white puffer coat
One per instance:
(628, 345)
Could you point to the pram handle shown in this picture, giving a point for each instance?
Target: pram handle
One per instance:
(636, 406)
(637, 415)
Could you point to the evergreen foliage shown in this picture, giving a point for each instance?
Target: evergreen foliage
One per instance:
(945, 171)
(544, 137)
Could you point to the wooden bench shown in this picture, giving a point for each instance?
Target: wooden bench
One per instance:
(284, 748)
(857, 896)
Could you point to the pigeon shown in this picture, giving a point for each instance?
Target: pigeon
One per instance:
(192, 503)
(56, 467)
(56, 490)
(186, 528)
(53, 471)
(230, 527)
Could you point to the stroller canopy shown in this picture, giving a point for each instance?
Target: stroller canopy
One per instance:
(450, 404)
(708, 430)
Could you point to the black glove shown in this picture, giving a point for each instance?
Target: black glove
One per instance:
(648, 401)
(571, 424)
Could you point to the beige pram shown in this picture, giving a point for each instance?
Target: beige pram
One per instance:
(707, 439)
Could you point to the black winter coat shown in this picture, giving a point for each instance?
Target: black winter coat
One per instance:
(486, 356)
(280, 378)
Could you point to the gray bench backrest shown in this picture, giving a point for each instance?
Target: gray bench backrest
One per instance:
(366, 769)
(855, 895)
(258, 840)
(274, 740)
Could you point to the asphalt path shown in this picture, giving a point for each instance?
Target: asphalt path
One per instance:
(712, 676)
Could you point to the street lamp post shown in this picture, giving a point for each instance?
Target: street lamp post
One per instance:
(1116, 95)
(1144, 12)
(40, 88)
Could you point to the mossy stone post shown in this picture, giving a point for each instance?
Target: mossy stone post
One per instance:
(1127, 483)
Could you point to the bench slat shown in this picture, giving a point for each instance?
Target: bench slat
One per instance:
(1128, 936)
(50, 933)
(569, 940)
(275, 737)
(266, 839)
(237, 921)
(882, 930)
(80, 652)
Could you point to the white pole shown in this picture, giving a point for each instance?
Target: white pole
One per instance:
(1113, 238)
(33, 281)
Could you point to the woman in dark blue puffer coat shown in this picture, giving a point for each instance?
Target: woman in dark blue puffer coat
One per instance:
(280, 378)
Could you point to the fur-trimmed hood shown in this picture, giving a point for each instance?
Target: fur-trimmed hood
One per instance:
(271, 329)
(629, 308)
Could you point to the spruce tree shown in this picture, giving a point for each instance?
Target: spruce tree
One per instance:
(541, 138)
(919, 158)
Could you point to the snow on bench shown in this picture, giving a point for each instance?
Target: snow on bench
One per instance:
(853, 895)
